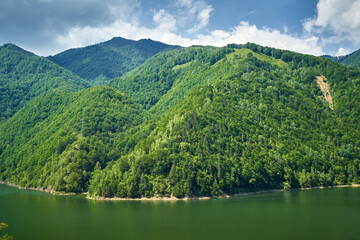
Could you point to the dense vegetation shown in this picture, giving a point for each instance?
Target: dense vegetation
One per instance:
(230, 138)
(101, 62)
(160, 76)
(352, 59)
(23, 76)
(205, 121)
(6, 236)
(59, 138)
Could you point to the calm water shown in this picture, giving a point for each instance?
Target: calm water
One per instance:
(313, 214)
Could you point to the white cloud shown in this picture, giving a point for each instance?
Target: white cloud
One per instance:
(164, 32)
(184, 3)
(203, 18)
(286, 30)
(245, 32)
(197, 13)
(123, 9)
(342, 52)
(164, 21)
(339, 18)
(168, 25)
(183, 22)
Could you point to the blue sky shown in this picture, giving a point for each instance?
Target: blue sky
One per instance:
(308, 26)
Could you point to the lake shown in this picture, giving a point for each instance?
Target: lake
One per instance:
(312, 214)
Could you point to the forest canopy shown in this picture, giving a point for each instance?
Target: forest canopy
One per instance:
(196, 121)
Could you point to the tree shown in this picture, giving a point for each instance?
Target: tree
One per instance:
(5, 237)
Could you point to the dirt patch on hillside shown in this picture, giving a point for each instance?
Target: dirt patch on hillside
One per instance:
(324, 87)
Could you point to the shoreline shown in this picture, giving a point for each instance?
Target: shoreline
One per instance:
(45, 190)
(172, 198)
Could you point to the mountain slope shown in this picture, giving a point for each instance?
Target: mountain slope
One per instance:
(100, 62)
(236, 136)
(23, 76)
(164, 79)
(249, 127)
(149, 82)
(58, 138)
(226, 120)
(353, 59)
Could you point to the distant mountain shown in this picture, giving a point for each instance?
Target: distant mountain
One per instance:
(23, 76)
(353, 59)
(219, 121)
(100, 62)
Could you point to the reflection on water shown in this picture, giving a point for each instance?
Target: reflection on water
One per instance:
(313, 214)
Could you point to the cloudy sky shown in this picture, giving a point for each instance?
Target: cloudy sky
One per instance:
(316, 27)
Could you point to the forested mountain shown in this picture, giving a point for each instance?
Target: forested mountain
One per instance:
(229, 138)
(352, 59)
(204, 121)
(161, 82)
(23, 76)
(60, 138)
(100, 62)
(245, 121)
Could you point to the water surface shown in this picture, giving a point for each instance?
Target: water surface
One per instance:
(312, 214)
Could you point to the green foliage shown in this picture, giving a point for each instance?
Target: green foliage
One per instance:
(241, 131)
(148, 83)
(42, 146)
(352, 59)
(24, 76)
(168, 77)
(205, 121)
(6, 236)
(237, 136)
(101, 62)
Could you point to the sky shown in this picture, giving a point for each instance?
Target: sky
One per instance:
(316, 27)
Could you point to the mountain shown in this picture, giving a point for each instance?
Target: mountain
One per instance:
(160, 82)
(23, 76)
(229, 138)
(353, 59)
(58, 138)
(203, 121)
(100, 62)
(155, 78)
(234, 120)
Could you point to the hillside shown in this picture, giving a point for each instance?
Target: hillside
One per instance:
(100, 62)
(163, 80)
(58, 138)
(23, 76)
(204, 121)
(148, 83)
(353, 59)
(228, 138)
(243, 130)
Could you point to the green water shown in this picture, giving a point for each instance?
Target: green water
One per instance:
(313, 214)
